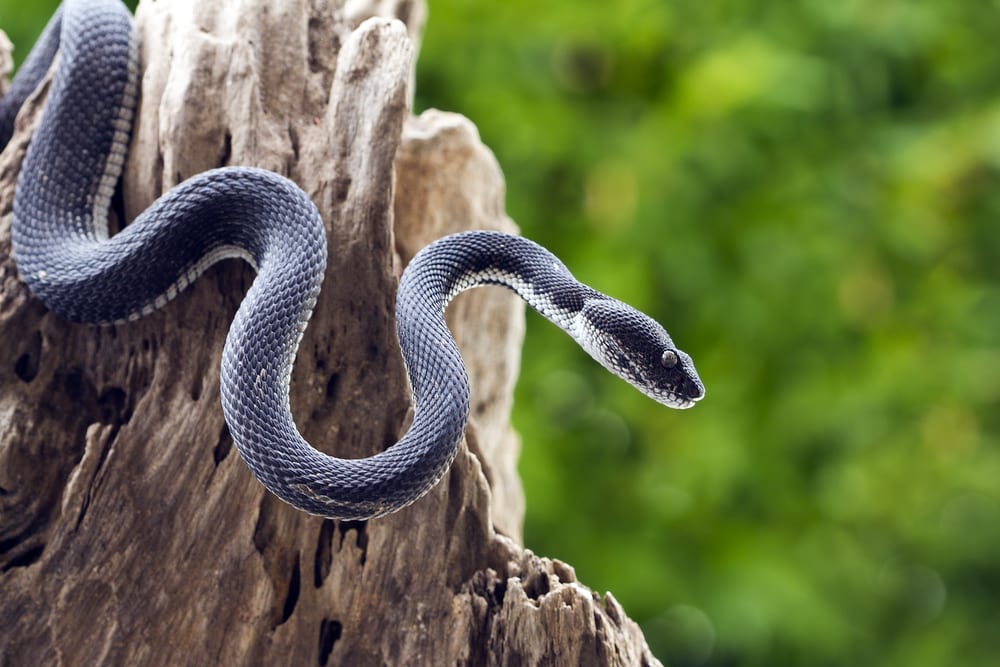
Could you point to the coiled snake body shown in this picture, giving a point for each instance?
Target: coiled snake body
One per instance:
(65, 255)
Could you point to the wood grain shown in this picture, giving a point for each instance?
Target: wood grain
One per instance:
(130, 530)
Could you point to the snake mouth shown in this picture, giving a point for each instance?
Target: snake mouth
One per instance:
(681, 396)
(674, 400)
(688, 398)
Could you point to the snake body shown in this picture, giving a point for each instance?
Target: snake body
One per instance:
(66, 256)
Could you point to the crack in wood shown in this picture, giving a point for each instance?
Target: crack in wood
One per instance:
(329, 632)
(26, 366)
(223, 445)
(324, 553)
(292, 598)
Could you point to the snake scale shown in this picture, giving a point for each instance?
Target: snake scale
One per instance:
(67, 258)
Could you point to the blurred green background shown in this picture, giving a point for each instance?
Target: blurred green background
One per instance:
(805, 194)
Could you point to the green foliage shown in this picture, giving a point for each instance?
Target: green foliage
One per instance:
(803, 193)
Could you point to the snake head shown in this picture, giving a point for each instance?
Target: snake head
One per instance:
(637, 349)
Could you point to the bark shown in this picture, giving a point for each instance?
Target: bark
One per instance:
(130, 530)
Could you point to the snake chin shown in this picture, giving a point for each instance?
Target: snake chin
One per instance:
(676, 402)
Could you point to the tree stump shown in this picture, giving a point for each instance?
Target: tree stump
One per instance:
(131, 532)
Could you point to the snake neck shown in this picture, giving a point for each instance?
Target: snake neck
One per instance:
(627, 342)
(477, 258)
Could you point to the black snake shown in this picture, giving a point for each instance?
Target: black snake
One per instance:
(65, 255)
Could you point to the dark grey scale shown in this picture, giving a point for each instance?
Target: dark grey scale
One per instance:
(64, 254)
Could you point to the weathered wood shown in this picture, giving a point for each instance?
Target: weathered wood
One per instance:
(130, 530)
(6, 61)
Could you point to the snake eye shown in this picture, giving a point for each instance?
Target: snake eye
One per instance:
(669, 359)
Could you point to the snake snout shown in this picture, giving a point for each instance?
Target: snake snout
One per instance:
(690, 386)
(693, 390)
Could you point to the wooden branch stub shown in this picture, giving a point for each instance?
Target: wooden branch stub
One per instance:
(130, 530)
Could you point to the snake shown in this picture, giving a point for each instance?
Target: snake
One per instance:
(69, 260)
